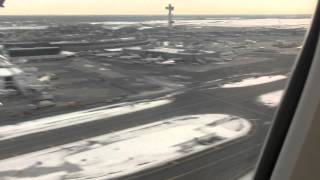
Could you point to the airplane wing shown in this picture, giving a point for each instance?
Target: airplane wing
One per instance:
(2, 3)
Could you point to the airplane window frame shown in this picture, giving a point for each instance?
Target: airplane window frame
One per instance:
(285, 113)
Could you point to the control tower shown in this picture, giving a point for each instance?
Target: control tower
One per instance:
(170, 8)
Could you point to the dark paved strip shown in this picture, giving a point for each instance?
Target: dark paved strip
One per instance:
(226, 162)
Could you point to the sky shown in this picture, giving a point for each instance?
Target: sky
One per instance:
(153, 7)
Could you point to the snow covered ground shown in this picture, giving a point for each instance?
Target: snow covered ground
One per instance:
(79, 117)
(282, 23)
(254, 81)
(271, 99)
(268, 22)
(5, 72)
(128, 151)
(34, 27)
(248, 176)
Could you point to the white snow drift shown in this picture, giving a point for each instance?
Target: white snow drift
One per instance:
(70, 119)
(271, 99)
(254, 81)
(128, 151)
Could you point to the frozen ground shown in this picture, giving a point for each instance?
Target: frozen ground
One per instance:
(35, 27)
(128, 151)
(264, 22)
(4, 72)
(70, 119)
(254, 81)
(248, 176)
(269, 22)
(271, 99)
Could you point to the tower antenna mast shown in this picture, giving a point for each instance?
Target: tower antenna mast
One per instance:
(170, 8)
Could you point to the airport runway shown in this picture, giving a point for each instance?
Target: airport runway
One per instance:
(226, 162)
(222, 163)
(229, 161)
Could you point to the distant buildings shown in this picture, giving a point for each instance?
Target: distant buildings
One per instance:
(168, 53)
(100, 44)
(63, 49)
(32, 51)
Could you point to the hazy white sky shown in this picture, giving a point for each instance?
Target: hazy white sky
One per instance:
(100, 7)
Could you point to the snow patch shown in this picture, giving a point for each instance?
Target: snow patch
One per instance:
(248, 176)
(68, 53)
(88, 65)
(145, 27)
(168, 62)
(4, 72)
(254, 81)
(115, 50)
(75, 118)
(23, 27)
(271, 99)
(129, 151)
(167, 50)
(134, 48)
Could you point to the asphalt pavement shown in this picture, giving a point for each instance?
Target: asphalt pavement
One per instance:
(228, 161)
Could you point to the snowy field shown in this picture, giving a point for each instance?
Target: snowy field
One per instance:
(129, 151)
(281, 23)
(70, 119)
(254, 81)
(35, 27)
(271, 99)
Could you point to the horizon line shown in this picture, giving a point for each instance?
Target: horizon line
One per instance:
(269, 14)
